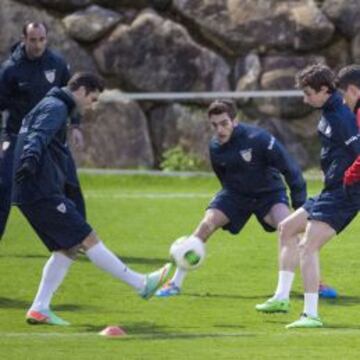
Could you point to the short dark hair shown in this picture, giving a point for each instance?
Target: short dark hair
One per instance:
(91, 82)
(349, 75)
(316, 76)
(222, 106)
(35, 25)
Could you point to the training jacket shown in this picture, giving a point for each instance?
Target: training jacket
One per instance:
(24, 82)
(251, 162)
(42, 137)
(340, 140)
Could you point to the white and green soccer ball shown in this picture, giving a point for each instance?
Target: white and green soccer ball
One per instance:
(188, 252)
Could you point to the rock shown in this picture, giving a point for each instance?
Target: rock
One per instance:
(238, 26)
(284, 134)
(355, 49)
(116, 135)
(345, 15)
(60, 5)
(155, 54)
(176, 124)
(278, 73)
(14, 15)
(91, 24)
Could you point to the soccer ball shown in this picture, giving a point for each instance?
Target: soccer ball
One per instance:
(188, 252)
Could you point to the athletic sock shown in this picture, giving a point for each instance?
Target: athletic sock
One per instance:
(283, 289)
(178, 277)
(104, 259)
(311, 304)
(53, 275)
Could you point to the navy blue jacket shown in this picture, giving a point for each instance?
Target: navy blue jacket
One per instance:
(251, 162)
(42, 137)
(340, 140)
(24, 82)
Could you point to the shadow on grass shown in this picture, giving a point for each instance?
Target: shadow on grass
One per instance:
(157, 262)
(227, 296)
(342, 300)
(150, 331)
(7, 303)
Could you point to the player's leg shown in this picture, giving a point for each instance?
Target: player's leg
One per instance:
(288, 229)
(105, 259)
(317, 234)
(212, 220)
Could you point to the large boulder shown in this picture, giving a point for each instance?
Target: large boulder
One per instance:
(91, 24)
(278, 73)
(179, 125)
(345, 15)
(155, 54)
(60, 5)
(14, 15)
(286, 136)
(240, 25)
(116, 135)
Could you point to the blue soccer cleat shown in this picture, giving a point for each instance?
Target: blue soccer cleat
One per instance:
(327, 292)
(169, 289)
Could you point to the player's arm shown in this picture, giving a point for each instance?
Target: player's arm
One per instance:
(279, 158)
(7, 87)
(351, 138)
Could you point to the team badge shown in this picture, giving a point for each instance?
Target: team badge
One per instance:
(324, 127)
(246, 154)
(61, 208)
(50, 75)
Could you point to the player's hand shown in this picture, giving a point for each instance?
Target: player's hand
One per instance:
(26, 169)
(77, 138)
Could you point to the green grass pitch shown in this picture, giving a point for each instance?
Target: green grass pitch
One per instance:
(138, 217)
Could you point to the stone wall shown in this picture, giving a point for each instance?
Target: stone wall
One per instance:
(190, 45)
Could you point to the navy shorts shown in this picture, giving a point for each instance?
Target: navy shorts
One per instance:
(333, 207)
(239, 208)
(57, 222)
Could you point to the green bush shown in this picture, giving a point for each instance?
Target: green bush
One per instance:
(177, 159)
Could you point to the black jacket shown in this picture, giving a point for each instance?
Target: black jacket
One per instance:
(251, 164)
(42, 138)
(24, 82)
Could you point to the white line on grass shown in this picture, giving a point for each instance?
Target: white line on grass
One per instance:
(144, 195)
(155, 336)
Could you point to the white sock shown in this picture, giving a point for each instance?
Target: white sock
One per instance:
(179, 277)
(311, 304)
(53, 275)
(104, 259)
(283, 289)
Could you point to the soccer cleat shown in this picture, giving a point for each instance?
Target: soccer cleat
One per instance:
(327, 292)
(44, 317)
(274, 306)
(155, 280)
(169, 289)
(307, 322)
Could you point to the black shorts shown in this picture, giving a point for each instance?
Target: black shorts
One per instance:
(57, 222)
(239, 208)
(333, 207)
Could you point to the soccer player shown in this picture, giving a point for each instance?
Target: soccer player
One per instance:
(248, 162)
(40, 164)
(330, 212)
(348, 81)
(30, 72)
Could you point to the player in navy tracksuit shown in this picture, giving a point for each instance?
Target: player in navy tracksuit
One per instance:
(249, 163)
(348, 80)
(41, 165)
(327, 214)
(30, 72)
